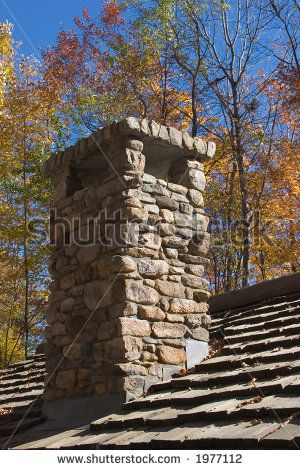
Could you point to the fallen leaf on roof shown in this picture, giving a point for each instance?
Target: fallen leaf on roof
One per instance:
(255, 422)
(5, 411)
(255, 399)
(215, 347)
(277, 349)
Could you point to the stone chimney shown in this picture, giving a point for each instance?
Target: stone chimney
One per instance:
(127, 306)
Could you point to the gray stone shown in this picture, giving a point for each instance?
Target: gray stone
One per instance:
(68, 281)
(125, 309)
(149, 179)
(166, 229)
(187, 306)
(200, 334)
(123, 264)
(134, 292)
(169, 355)
(130, 369)
(175, 318)
(67, 305)
(152, 208)
(170, 289)
(168, 330)
(195, 197)
(66, 379)
(174, 242)
(151, 313)
(167, 216)
(188, 141)
(106, 330)
(195, 282)
(98, 294)
(87, 254)
(177, 188)
(193, 320)
(211, 149)
(175, 136)
(152, 268)
(171, 253)
(124, 348)
(133, 326)
(130, 126)
(151, 240)
(166, 202)
(200, 146)
(195, 179)
(200, 244)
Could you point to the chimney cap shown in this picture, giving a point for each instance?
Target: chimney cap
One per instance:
(170, 143)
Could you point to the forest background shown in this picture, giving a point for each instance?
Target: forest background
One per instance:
(226, 71)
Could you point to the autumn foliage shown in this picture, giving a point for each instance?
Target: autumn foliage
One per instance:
(157, 60)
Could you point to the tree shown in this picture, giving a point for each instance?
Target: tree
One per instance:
(27, 125)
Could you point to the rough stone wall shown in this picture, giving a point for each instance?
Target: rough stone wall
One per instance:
(127, 265)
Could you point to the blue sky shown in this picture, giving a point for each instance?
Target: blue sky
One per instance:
(37, 22)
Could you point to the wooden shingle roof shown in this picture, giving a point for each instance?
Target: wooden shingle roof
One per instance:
(244, 396)
(21, 392)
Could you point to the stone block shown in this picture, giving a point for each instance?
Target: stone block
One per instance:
(196, 270)
(195, 282)
(151, 240)
(106, 331)
(175, 136)
(66, 379)
(73, 351)
(168, 330)
(170, 289)
(133, 327)
(68, 281)
(174, 241)
(152, 268)
(188, 141)
(99, 352)
(199, 334)
(175, 318)
(200, 244)
(98, 294)
(67, 305)
(134, 292)
(125, 309)
(169, 355)
(195, 198)
(187, 306)
(201, 295)
(200, 145)
(166, 202)
(58, 329)
(148, 357)
(211, 149)
(122, 264)
(177, 188)
(130, 369)
(134, 213)
(151, 313)
(166, 230)
(87, 254)
(194, 320)
(167, 216)
(123, 349)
